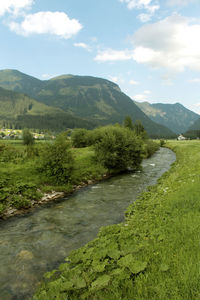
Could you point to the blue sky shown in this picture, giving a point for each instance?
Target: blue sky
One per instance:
(150, 48)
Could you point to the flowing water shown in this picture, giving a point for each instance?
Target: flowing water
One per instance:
(37, 242)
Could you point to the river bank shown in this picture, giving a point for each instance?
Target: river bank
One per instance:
(21, 180)
(154, 254)
(47, 198)
(40, 240)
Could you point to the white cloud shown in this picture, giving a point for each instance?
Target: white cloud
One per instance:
(117, 79)
(141, 4)
(195, 80)
(82, 45)
(114, 79)
(144, 17)
(140, 97)
(48, 76)
(113, 55)
(56, 23)
(171, 43)
(134, 82)
(14, 6)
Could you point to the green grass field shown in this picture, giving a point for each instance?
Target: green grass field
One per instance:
(21, 182)
(154, 254)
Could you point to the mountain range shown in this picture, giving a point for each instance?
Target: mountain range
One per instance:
(174, 116)
(70, 101)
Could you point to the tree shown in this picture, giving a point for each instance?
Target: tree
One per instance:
(139, 129)
(56, 160)
(80, 138)
(28, 138)
(128, 123)
(118, 149)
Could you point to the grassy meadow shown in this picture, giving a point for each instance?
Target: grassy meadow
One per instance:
(153, 254)
(21, 181)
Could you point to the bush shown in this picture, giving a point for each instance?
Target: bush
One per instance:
(128, 123)
(118, 149)
(9, 153)
(81, 138)
(28, 138)
(162, 143)
(139, 129)
(18, 201)
(150, 148)
(56, 160)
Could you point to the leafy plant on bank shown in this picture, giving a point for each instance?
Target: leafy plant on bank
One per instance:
(56, 160)
(18, 195)
(150, 147)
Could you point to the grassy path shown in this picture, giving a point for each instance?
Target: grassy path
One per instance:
(154, 254)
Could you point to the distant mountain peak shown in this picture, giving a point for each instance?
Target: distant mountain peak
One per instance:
(174, 116)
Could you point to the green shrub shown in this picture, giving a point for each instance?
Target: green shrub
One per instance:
(150, 148)
(128, 123)
(18, 201)
(9, 153)
(28, 138)
(118, 148)
(56, 160)
(162, 143)
(139, 129)
(81, 138)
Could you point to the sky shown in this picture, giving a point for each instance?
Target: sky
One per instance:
(150, 48)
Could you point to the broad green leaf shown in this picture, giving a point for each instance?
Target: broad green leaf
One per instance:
(115, 254)
(132, 264)
(101, 282)
(137, 267)
(79, 283)
(98, 266)
(48, 275)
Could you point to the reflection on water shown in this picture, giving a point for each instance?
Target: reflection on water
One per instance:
(38, 242)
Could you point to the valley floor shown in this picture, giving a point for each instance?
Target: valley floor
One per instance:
(154, 254)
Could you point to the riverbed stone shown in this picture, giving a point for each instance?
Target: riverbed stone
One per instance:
(25, 254)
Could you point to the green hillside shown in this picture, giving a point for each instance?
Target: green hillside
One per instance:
(174, 116)
(20, 111)
(195, 125)
(97, 100)
(194, 130)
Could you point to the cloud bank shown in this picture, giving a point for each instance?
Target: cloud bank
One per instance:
(171, 43)
(56, 23)
(149, 5)
(14, 6)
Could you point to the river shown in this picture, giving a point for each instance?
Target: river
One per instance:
(33, 244)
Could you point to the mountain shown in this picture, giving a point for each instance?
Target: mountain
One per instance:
(19, 111)
(96, 100)
(174, 116)
(194, 130)
(195, 125)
